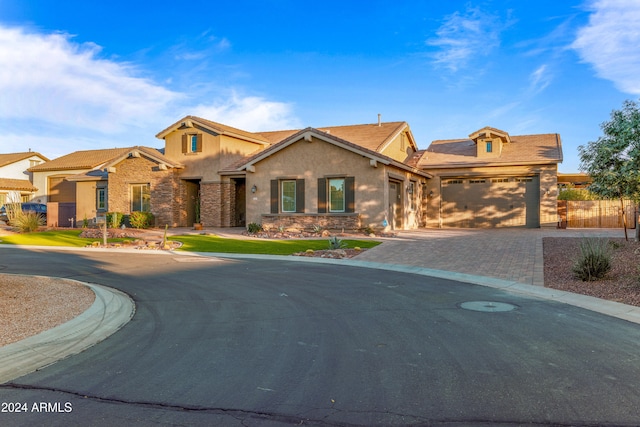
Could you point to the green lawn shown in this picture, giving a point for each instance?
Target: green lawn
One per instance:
(260, 246)
(190, 243)
(52, 238)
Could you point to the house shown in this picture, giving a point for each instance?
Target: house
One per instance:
(86, 184)
(369, 176)
(336, 177)
(316, 178)
(15, 180)
(492, 179)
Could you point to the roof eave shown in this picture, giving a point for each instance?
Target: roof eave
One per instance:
(181, 124)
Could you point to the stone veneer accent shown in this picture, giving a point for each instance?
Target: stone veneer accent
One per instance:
(140, 170)
(306, 222)
(217, 204)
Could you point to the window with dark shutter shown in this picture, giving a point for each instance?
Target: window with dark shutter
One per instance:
(350, 194)
(299, 195)
(322, 195)
(274, 196)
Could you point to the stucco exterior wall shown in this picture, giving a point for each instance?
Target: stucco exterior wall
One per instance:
(86, 201)
(41, 181)
(399, 148)
(548, 188)
(318, 159)
(18, 170)
(217, 152)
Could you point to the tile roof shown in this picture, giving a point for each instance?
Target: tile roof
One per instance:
(330, 137)
(90, 159)
(16, 184)
(370, 136)
(216, 127)
(7, 159)
(523, 149)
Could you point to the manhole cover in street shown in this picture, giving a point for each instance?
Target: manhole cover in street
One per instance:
(488, 306)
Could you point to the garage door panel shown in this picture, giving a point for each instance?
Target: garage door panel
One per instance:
(490, 202)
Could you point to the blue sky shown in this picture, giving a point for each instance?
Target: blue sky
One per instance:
(87, 75)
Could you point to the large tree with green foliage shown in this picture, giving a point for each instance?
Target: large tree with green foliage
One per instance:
(613, 161)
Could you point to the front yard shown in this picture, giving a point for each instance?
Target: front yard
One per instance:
(191, 243)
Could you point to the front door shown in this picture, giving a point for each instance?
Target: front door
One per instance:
(395, 205)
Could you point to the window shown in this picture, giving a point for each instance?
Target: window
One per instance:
(192, 143)
(500, 180)
(24, 198)
(140, 197)
(477, 181)
(455, 181)
(33, 163)
(524, 179)
(412, 195)
(101, 199)
(489, 146)
(288, 196)
(336, 195)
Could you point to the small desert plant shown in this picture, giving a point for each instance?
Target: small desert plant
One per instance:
(594, 261)
(114, 219)
(254, 228)
(85, 222)
(13, 209)
(335, 243)
(368, 230)
(317, 228)
(27, 221)
(140, 219)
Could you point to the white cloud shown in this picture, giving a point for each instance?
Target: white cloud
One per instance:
(610, 41)
(464, 36)
(250, 113)
(48, 78)
(539, 79)
(59, 96)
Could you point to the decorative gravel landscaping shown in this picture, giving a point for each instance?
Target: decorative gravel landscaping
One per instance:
(621, 284)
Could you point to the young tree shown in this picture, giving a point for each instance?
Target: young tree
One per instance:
(613, 161)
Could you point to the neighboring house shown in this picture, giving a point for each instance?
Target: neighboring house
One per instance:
(15, 180)
(574, 180)
(86, 184)
(338, 177)
(492, 179)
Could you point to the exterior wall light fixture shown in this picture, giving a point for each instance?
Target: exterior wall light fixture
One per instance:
(254, 189)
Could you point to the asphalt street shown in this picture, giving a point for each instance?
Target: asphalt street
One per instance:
(270, 343)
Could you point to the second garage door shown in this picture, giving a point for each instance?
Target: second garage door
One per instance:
(491, 202)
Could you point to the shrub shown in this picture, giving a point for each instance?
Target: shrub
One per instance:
(335, 243)
(27, 221)
(114, 219)
(254, 228)
(594, 261)
(141, 219)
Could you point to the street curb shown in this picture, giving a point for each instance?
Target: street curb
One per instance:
(111, 310)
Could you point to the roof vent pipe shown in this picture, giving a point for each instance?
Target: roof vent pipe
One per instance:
(379, 119)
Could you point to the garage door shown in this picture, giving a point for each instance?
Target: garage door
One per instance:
(491, 202)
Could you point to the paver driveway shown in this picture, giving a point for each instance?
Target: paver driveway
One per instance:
(513, 254)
